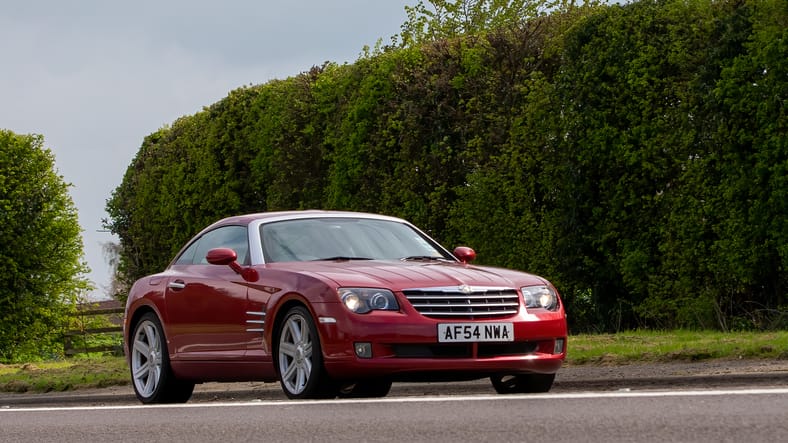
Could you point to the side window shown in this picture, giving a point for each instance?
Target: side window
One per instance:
(233, 237)
(187, 257)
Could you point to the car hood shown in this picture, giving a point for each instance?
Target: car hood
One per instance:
(411, 275)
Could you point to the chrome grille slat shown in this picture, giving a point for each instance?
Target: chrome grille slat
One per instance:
(464, 305)
(460, 296)
(473, 302)
(488, 314)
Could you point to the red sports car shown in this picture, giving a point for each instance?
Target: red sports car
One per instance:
(336, 304)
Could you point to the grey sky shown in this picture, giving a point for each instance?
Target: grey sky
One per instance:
(95, 77)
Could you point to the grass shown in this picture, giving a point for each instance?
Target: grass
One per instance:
(64, 375)
(603, 349)
(672, 346)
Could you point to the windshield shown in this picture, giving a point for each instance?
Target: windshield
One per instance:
(344, 239)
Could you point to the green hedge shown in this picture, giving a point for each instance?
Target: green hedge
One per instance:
(635, 155)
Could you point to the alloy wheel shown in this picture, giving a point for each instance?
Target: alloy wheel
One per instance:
(295, 353)
(146, 358)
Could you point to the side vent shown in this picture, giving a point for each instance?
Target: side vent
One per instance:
(255, 322)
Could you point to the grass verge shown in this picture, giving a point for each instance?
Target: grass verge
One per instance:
(64, 375)
(672, 346)
(606, 349)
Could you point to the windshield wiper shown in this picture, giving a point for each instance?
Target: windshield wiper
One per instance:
(423, 258)
(341, 258)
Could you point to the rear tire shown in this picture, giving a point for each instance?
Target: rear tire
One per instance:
(151, 374)
(522, 383)
(299, 358)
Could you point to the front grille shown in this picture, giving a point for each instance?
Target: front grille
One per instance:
(474, 302)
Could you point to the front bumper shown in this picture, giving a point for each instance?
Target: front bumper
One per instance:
(403, 346)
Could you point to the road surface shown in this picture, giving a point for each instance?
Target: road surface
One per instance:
(710, 415)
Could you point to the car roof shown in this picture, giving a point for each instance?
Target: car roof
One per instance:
(245, 219)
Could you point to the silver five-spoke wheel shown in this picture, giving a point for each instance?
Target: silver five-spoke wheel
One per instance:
(151, 374)
(299, 357)
(146, 358)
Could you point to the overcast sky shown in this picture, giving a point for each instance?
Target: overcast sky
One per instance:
(94, 77)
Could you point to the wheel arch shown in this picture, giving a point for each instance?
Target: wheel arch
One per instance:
(135, 319)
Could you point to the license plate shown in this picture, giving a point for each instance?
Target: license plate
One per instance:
(475, 332)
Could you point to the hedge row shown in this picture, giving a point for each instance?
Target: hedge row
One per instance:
(636, 156)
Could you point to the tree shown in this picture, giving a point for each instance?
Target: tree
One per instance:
(444, 19)
(112, 254)
(41, 266)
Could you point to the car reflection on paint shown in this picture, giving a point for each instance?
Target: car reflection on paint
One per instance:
(333, 304)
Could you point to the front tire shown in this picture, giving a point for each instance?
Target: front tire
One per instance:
(300, 358)
(522, 383)
(151, 374)
(372, 388)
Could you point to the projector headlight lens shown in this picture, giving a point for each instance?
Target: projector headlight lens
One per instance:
(540, 297)
(364, 300)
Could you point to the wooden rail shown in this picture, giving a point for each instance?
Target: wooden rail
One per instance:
(69, 335)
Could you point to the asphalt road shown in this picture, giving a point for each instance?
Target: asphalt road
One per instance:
(722, 374)
(727, 401)
(691, 416)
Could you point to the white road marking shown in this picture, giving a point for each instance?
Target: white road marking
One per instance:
(425, 399)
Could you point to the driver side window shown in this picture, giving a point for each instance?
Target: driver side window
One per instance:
(233, 237)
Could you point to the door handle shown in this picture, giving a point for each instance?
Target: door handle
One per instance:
(176, 285)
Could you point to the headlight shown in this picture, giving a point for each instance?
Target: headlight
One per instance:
(540, 297)
(363, 300)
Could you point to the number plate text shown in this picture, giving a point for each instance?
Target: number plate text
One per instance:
(475, 332)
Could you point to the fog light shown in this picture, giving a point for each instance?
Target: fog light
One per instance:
(363, 350)
(559, 346)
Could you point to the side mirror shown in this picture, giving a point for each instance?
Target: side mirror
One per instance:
(221, 256)
(465, 254)
(228, 257)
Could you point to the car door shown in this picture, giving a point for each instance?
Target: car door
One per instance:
(206, 304)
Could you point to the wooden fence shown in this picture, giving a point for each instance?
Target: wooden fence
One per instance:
(114, 317)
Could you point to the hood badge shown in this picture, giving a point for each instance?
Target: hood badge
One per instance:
(465, 289)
